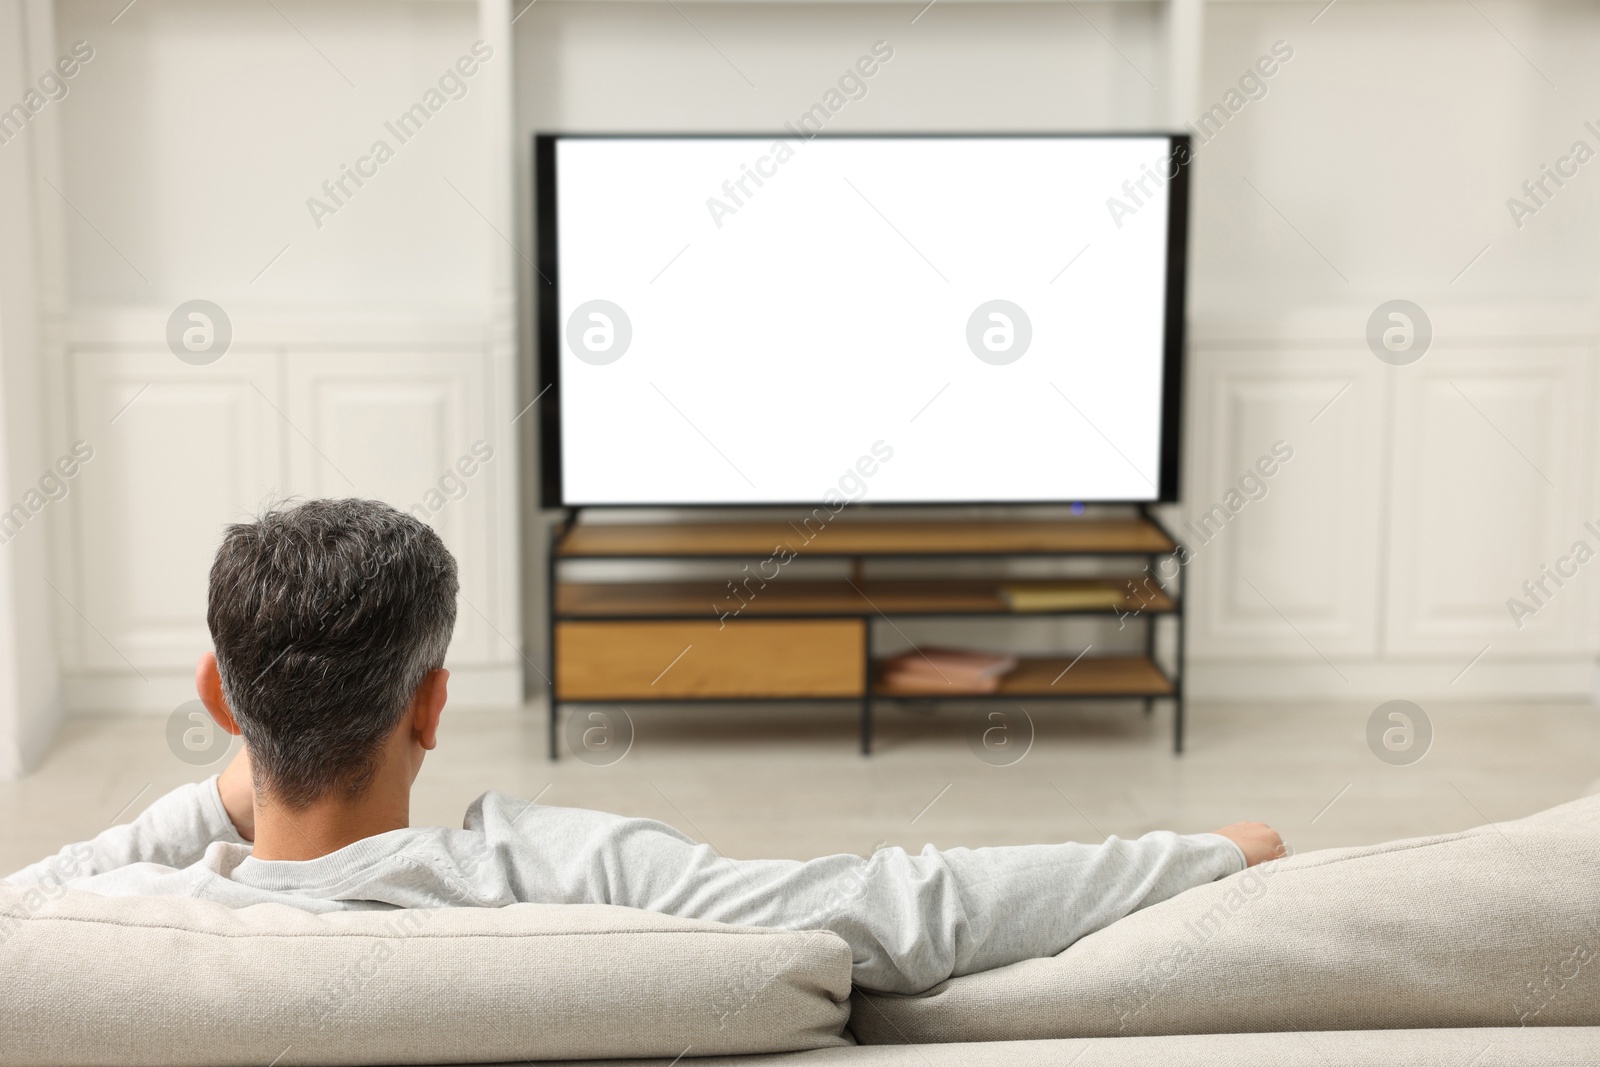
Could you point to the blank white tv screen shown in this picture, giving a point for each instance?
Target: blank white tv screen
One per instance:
(903, 319)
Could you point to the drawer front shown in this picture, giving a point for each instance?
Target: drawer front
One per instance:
(686, 660)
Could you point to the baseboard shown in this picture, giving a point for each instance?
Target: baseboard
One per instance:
(1575, 679)
(161, 691)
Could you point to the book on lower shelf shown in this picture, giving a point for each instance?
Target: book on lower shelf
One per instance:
(1062, 596)
(946, 670)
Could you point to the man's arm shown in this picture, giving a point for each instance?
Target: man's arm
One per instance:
(174, 832)
(912, 921)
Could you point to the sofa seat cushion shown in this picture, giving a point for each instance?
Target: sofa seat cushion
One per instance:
(1544, 1046)
(1498, 926)
(173, 981)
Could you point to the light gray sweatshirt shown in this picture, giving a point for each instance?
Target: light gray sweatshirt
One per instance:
(911, 920)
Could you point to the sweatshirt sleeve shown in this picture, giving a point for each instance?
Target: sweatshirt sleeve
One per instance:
(173, 832)
(911, 920)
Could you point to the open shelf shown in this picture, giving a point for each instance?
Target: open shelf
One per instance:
(790, 597)
(781, 636)
(1055, 676)
(876, 537)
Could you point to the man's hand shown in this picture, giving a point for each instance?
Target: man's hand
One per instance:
(239, 794)
(1258, 841)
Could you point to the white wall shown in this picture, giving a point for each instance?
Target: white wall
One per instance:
(194, 138)
(30, 688)
(372, 347)
(1378, 167)
(1391, 142)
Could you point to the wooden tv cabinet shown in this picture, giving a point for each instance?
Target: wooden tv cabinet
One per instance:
(796, 638)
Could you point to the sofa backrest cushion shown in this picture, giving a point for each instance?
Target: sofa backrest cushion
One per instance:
(174, 981)
(1496, 926)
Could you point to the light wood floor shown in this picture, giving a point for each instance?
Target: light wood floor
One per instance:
(787, 781)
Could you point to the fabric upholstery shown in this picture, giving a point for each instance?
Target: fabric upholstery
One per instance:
(1542, 1046)
(1493, 927)
(173, 981)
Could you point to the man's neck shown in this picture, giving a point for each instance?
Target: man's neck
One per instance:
(326, 826)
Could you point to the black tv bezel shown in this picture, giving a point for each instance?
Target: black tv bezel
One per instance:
(548, 283)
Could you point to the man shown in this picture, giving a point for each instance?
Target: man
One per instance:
(330, 621)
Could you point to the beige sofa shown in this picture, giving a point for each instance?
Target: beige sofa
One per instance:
(1475, 948)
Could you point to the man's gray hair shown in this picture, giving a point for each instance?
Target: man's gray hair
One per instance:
(326, 616)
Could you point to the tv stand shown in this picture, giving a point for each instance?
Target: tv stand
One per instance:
(779, 636)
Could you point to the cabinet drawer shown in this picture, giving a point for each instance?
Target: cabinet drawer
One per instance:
(686, 660)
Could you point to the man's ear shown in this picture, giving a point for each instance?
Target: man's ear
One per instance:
(428, 705)
(208, 683)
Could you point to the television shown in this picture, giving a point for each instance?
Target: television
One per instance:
(775, 319)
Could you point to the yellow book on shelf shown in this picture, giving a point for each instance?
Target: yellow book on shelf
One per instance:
(1062, 596)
